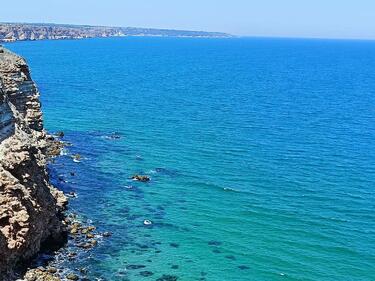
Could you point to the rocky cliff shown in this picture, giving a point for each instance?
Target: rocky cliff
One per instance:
(30, 208)
(10, 32)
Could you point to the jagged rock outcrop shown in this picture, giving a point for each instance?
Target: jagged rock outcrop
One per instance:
(30, 208)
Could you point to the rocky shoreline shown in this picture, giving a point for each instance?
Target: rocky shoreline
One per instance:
(10, 32)
(31, 209)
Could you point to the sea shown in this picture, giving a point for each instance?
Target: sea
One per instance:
(260, 153)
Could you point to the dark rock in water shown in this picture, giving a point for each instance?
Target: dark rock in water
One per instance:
(122, 272)
(141, 178)
(91, 228)
(243, 267)
(72, 194)
(214, 243)
(135, 266)
(77, 157)
(230, 257)
(51, 270)
(107, 234)
(174, 245)
(147, 222)
(146, 273)
(167, 277)
(175, 266)
(114, 136)
(72, 276)
(60, 134)
(72, 174)
(72, 254)
(85, 245)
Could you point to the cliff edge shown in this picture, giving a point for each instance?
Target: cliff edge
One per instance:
(10, 32)
(30, 207)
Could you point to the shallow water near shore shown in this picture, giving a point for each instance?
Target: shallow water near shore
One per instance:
(260, 152)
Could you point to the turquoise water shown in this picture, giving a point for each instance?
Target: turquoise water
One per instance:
(261, 154)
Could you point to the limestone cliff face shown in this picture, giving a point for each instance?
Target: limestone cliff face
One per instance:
(10, 32)
(30, 208)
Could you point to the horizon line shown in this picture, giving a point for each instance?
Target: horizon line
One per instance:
(232, 35)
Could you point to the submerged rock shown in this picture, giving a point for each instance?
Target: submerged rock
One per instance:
(135, 266)
(72, 194)
(167, 277)
(146, 273)
(107, 234)
(243, 267)
(72, 254)
(114, 136)
(230, 257)
(60, 134)
(214, 243)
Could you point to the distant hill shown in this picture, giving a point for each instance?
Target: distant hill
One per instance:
(10, 32)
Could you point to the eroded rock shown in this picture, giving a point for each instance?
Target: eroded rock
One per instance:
(142, 178)
(30, 207)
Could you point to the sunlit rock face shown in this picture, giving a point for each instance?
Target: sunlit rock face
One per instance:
(30, 208)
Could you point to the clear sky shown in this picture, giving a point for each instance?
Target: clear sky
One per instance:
(290, 18)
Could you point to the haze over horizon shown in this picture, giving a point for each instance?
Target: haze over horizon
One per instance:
(270, 18)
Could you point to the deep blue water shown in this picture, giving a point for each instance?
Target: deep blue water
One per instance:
(261, 154)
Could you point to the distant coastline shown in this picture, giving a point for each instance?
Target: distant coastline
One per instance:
(11, 32)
